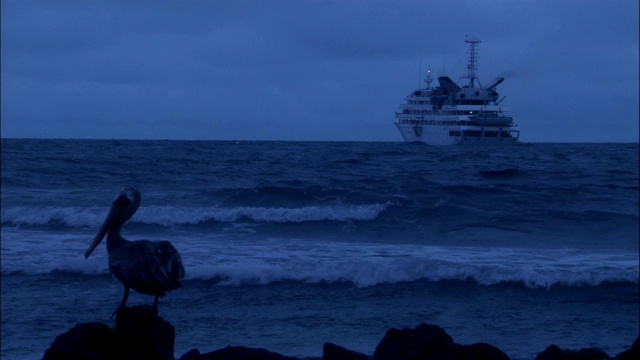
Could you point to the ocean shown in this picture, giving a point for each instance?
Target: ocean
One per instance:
(287, 245)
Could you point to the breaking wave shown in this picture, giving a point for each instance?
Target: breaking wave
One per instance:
(173, 216)
(237, 263)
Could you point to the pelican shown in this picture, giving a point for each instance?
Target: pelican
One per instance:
(148, 267)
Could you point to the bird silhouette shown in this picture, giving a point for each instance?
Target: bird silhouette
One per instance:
(148, 267)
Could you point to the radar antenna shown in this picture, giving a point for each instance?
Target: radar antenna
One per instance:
(473, 60)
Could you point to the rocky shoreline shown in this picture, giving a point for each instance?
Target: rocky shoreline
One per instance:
(139, 334)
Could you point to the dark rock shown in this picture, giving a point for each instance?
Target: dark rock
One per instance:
(244, 353)
(139, 334)
(418, 343)
(633, 353)
(84, 341)
(430, 342)
(192, 354)
(335, 352)
(479, 351)
(553, 352)
(146, 335)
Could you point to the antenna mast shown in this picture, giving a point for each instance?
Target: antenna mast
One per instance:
(473, 59)
(428, 79)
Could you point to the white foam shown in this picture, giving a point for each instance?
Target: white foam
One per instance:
(267, 261)
(171, 216)
(45, 215)
(372, 264)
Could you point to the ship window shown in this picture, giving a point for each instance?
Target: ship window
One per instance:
(461, 96)
(454, 133)
(490, 133)
(477, 93)
(472, 133)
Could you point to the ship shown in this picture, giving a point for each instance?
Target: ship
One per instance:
(457, 113)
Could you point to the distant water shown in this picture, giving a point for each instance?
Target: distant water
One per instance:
(287, 245)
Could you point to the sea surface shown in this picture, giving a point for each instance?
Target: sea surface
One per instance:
(287, 245)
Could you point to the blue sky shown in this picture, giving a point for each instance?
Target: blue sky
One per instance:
(309, 70)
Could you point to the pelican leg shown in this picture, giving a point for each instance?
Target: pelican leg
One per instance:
(123, 303)
(155, 305)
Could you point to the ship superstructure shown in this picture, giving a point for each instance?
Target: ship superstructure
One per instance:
(451, 113)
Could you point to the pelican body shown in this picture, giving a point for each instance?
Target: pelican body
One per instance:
(148, 267)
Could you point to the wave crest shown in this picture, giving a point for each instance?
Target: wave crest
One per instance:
(172, 216)
(364, 265)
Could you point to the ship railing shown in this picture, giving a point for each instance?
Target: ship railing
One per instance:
(414, 121)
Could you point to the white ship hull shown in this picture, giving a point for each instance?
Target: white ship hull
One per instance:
(457, 134)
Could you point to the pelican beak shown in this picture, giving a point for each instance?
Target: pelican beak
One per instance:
(103, 230)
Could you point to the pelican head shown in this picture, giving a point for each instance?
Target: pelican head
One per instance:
(125, 204)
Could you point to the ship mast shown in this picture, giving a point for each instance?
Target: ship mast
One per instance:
(473, 60)
(428, 79)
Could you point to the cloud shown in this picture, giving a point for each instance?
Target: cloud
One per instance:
(316, 70)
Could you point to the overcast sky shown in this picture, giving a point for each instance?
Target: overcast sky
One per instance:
(309, 70)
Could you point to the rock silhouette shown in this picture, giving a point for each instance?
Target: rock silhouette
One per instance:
(431, 342)
(139, 334)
